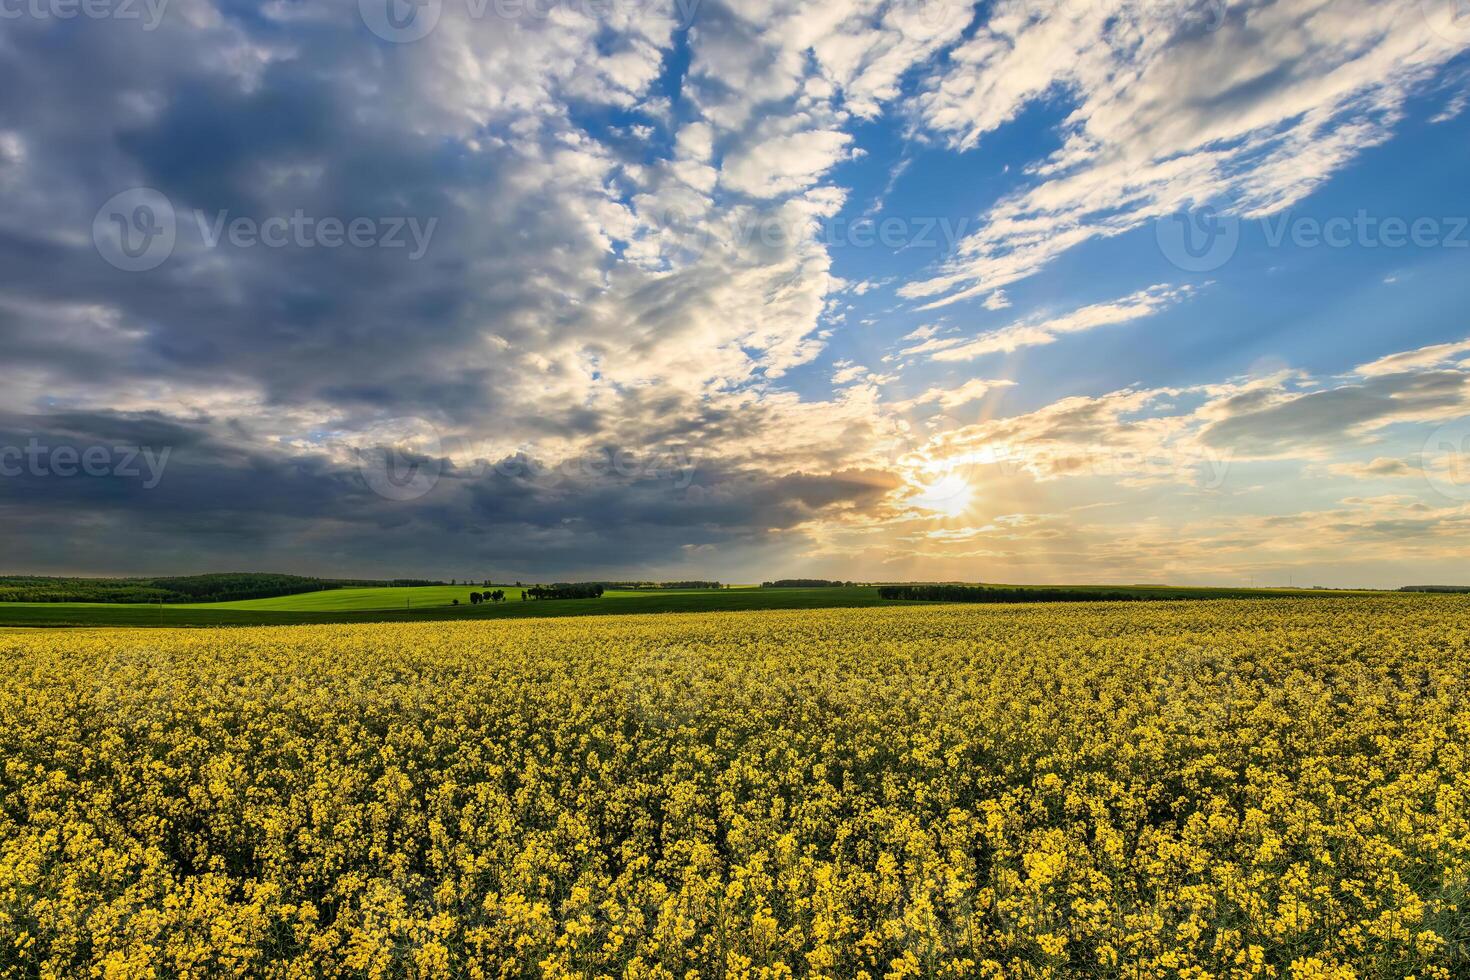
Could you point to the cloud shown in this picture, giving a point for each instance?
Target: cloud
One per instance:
(1036, 333)
(1248, 105)
(949, 398)
(1413, 360)
(598, 281)
(1141, 435)
(1281, 424)
(783, 164)
(579, 292)
(1379, 467)
(241, 500)
(925, 332)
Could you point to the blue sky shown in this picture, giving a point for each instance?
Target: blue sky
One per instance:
(1284, 301)
(740, 290)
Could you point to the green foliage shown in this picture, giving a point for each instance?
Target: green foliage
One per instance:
(950, 592)
(803, 583)
(215, 587)
(566, 590)
(985, 593)
(641, 586)
(401, 605)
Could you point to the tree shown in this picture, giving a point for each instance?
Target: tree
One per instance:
(476, 598)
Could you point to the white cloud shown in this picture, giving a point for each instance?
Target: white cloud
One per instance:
(1377, 468)
(947, 398)
(1254, 113)
(1413, 360)
(925, 332)
(1143, 435)
(783, 164)
(1040, 331)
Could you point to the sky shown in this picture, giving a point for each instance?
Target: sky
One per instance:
(1050, 291)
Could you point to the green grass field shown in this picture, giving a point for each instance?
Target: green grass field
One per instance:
(436, 603)
(340, 600)
(425, 603)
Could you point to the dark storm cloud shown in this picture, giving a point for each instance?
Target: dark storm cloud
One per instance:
(306, 511)
(1262, 423)
(328, 133)
(533, 314)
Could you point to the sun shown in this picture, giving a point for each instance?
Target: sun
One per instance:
(950, 495)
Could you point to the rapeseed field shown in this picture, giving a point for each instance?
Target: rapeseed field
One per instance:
(1147, 790)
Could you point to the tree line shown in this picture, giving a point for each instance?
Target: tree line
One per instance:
(986, 593)
(691, 584)
(804, 583)
(565, 590)
(213, 587)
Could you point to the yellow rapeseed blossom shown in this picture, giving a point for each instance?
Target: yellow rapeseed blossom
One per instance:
(1219, 790)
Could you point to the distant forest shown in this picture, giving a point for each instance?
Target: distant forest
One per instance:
(985, 593)
(218, 587)
(693, 584)
(565, 590)
(804, 583)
